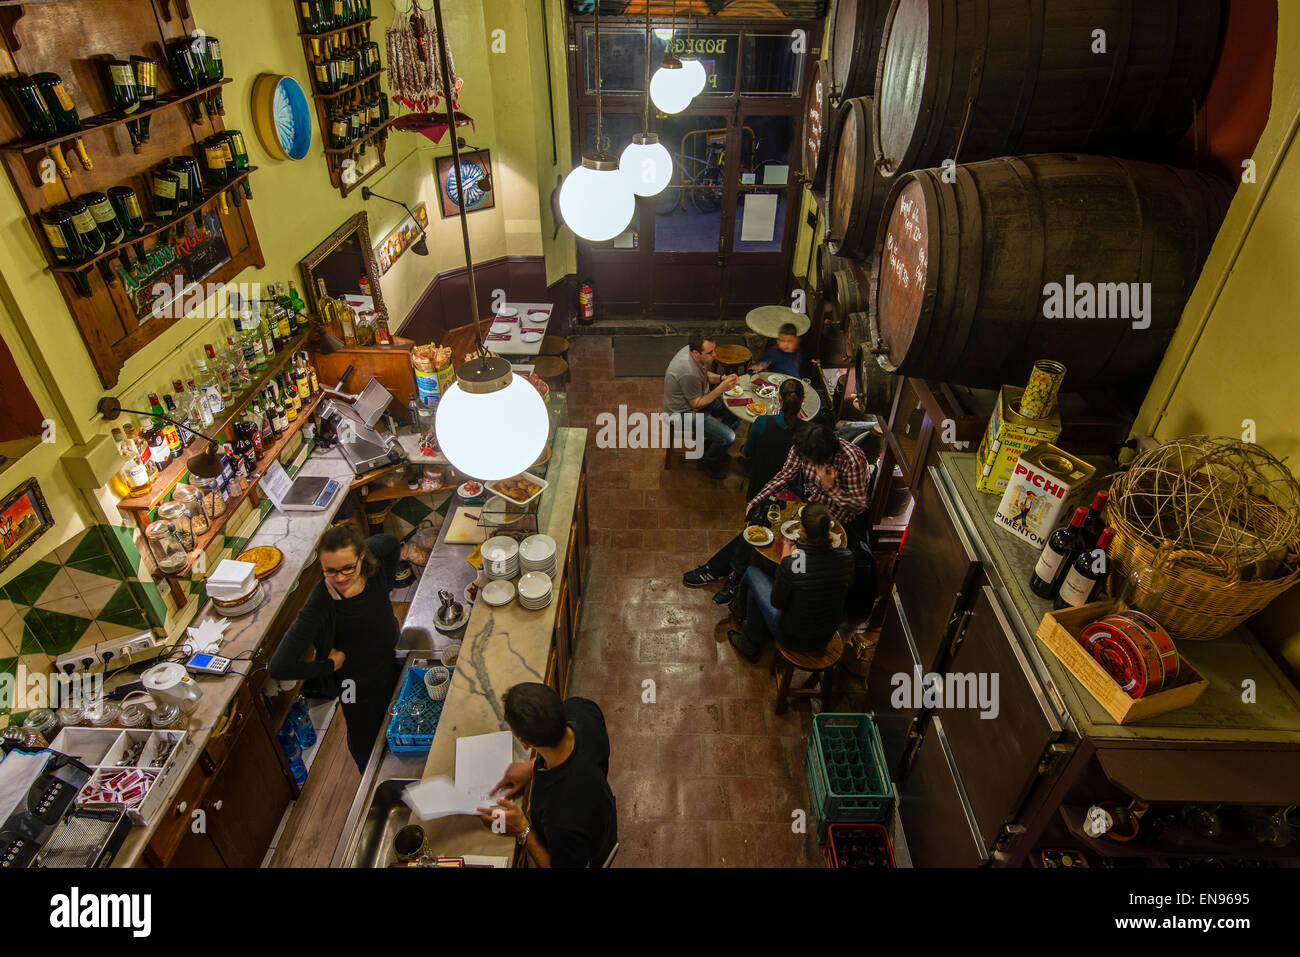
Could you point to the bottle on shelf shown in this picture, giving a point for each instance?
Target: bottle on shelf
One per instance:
(105, 216)
(216, 72)
(1060, 550)
(183, 432)
(289, 398)
(244, 341)
(124, 95)
(63, 112)
(313, 382)
(159, 451)
(145, 72)
(301, 379)
(195, 405)
(62, 235)
(127, 207)
(92, 240)
(188, 71)
(210, 383)
(1095, 522)
(166, 193)
(169, 432)
(279, 420)
(221, 373)
(268, 419)
(141, 448)
(1080, 584)
(284, 314)
(133, 473)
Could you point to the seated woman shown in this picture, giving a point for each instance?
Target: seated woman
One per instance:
(768, 444)
(802, 606)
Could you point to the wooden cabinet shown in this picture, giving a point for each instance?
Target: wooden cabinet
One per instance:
(562, 640)
(391, 365)
(247, 800)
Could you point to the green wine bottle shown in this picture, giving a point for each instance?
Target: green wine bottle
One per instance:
(187, 71)
(62, 235)
(146, 85)
(110, 227)
(166, 189)
(127, 207)
(63, 111)
(92, 240)
(28, 107)
(216, 72)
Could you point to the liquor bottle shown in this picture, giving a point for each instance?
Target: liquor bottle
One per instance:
(271, 316)
(134, 475)
(291, 386)
(255, 428)
(301, 322)
(199, 403)
(279, 420)
(169, 432)
(159, 450)
(146, 87)
(301, 379)
(244, 342)
(289, 398)
(269, 432)
(1081, 581)
(210, 383)
(283, 314)
(183, 434)
(232, 359)
(62, 111)
(1061, 548)
(243, 447)
(1094, 523)
(190, 412)
(141, 448)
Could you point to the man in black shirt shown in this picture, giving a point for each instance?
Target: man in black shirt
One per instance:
(574, 821)
(349, 620)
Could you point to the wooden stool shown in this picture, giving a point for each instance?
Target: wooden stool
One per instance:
(669, 449)
(556, 346)
(727, 357)
(552, 370)
(821, 663)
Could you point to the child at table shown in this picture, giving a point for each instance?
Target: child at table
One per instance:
(785, 357)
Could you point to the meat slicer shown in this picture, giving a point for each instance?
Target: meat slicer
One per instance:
(352, 419)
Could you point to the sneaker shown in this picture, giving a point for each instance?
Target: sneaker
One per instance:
(744, 646)
(728, 591)
(700, 576)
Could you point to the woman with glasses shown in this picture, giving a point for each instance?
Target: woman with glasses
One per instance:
(349, 621)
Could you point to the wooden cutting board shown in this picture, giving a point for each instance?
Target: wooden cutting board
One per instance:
(464, 529)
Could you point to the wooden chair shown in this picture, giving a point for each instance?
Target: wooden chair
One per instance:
(821, 663)
(552, 370)
(556, 346)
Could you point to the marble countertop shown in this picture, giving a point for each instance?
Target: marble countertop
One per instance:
(296, 535)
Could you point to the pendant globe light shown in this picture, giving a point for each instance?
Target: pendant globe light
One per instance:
(595, 200)
(696, 76)
(646, 163)
(671, 87)
(490, 424)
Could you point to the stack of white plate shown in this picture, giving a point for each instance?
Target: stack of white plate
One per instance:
(500, 557)
(534, 590)
(537, 554)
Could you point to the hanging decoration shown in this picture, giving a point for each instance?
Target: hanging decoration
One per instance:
(414, 71)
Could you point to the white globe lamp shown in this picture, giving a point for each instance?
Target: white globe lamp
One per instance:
(670, 87)
(696, 76)
(491, 424)
(595, 199)
(646, 164)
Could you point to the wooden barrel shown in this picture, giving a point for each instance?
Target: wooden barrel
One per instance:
(875, 386)
(826, 263)
(1034, 257)
(854, 44)
(816, 125)
(857, 192)
(857, 331)
(1021, 76)
(850, 297)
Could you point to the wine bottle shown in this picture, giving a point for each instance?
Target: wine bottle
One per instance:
(124, 96)
(146, 85)
(92, 240)
(63, 111)
(110, 227)
(1081, 581)
(166, 187)
(216, 72)
(1094, 523)
(127, 207)
(187, 70)
(1058, 552)
(214, 161)
(310, 17)
(28, 107)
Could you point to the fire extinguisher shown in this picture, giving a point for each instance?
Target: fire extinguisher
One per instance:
(586, 303)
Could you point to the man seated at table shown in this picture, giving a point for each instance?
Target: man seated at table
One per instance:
(819, 469)
(690, 388)
(785, 356)
(802, 605)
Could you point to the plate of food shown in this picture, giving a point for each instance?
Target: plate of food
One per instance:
(767, 392)
(776, 378)
(521, 489)
(791, 529)
(265, 559)
(470, 491)
(758, 536)
(756, 408)
(735, 392)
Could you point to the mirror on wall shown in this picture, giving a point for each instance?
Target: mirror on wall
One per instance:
(346, 263)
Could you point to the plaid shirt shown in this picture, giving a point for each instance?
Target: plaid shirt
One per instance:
(846, 499)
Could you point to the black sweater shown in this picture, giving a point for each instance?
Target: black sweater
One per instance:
(811, 600)
(363, 627)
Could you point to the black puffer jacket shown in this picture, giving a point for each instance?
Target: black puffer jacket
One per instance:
(811, 598)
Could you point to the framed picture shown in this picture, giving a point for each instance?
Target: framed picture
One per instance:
(402, 238)
(24, 517)
(476, 171)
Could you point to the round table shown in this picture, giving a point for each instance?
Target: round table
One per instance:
(727, 356)
(768, 320)
(812, 403)
(789, 512)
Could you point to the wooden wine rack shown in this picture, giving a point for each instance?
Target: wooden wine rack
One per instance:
(335, 159)
(52, 36)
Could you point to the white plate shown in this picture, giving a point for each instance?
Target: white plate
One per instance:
(767, 540)
(541, 484)
(767, 392)
(530, 336)
(534, 586)
(736, 392)
(498, 593)
(776, 378)
(541, 315)
(507, 312)
(499, 548)
(501, 328)
(464, 492)
(538, 549)
(791, 530)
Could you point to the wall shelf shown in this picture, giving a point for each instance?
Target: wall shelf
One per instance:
(348, 89)
(352, 147)
(334, 33)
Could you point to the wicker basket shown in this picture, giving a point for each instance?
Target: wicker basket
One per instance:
(1205, 596)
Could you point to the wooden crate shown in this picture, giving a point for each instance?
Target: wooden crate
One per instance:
(1059, 630)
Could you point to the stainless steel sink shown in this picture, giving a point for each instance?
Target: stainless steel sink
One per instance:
(383, 818)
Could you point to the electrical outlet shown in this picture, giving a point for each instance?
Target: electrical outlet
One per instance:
(124, 650)
(81, 659)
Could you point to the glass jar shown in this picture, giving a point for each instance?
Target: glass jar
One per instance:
(165, 716)
(192, 499)
(165, 543)
(71, 717)
(44, 722)
(179, 516)
(134, 716)
(213, 496)
(26, 738)
(102, 713)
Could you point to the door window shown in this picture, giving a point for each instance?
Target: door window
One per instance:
(688, 213)
(764, 183)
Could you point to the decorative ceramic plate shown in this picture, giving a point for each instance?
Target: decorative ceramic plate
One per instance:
(282, 116)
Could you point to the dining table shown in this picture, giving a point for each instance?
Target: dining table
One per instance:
(518, 328)
(750, 383)
(789, 513)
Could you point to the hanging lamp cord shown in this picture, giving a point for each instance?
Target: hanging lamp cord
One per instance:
(646, 128)
(599, 126)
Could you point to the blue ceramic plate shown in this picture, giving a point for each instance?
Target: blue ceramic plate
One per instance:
(292, 118)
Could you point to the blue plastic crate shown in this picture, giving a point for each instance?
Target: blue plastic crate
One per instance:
(413, 685)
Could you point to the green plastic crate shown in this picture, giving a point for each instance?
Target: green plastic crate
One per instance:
(845, 767)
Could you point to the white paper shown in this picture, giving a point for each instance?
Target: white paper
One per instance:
(746, 179)
(758, 221)
(481, 760)
(774, 175)
(625, 241)
(275, 482)
(18, 772)
(439, 797)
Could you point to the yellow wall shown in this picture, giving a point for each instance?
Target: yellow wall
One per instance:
(1233, 357)
(295, 207)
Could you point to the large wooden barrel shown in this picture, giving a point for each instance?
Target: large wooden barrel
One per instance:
(857, 192)
(850, 298)
(1021, 76)
(826, 263)
(1026, 258)
(854, 44)
(875, 386)
(817, 125)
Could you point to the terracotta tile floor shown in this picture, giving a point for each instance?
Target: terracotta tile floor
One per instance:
(707, 775)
